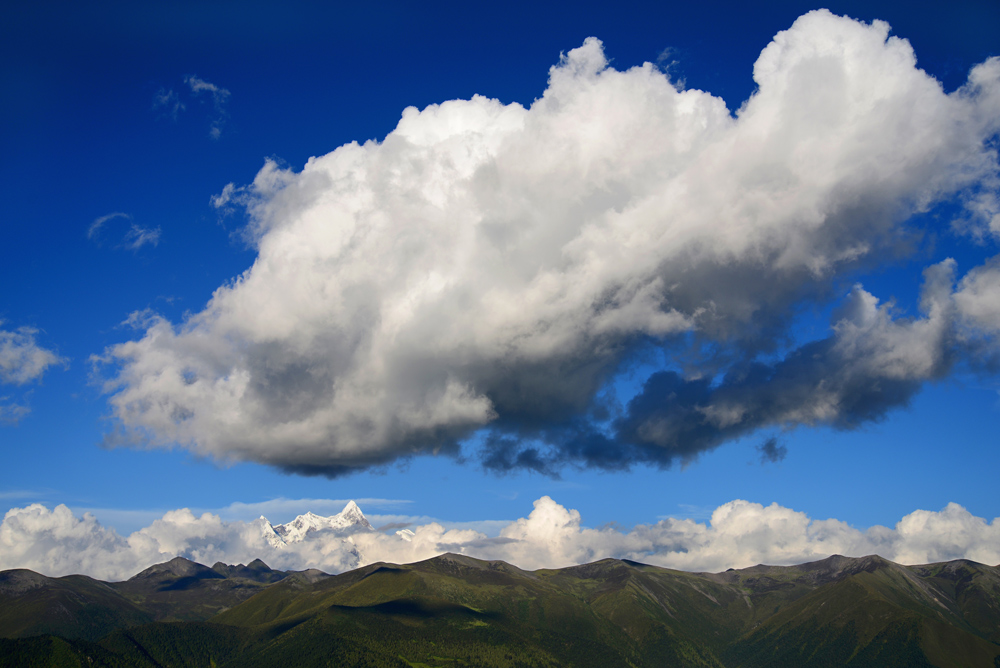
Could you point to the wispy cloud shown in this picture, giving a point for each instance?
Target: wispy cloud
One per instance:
(735, 535)
(219, 97)
(668, 61)
(168, 100)
(690, 512)
(134, 238)
(95, 227)
(11, 412)
(24, 493)
(172, 103)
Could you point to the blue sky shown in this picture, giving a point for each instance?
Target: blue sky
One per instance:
(122, 122)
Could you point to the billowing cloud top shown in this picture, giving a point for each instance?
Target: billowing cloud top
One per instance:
(494, 266)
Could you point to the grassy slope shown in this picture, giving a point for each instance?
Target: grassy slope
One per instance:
(458, 611)
(881, 615)
(74, 606)
(477, 613)
(856, 612)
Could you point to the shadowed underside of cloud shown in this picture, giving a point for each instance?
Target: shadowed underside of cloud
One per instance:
(739, 534)
(488, 269)
(870, 365)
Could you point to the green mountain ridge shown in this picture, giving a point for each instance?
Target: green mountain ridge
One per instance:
(454, 610)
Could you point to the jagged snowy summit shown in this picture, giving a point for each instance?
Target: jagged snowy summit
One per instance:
(347, 522)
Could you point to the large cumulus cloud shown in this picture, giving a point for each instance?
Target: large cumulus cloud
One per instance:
(494, 266)
(739, 534)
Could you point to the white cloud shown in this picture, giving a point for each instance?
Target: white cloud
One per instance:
(23, 493)
(55, 542)
(22, 360)
(738, 534)
(978, 297)
(491, 265)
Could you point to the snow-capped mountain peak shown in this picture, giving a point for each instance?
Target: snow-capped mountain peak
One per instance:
(353, 513)
(348, 521)
(268, 533)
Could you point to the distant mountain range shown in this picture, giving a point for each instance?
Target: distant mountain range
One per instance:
(454, 610)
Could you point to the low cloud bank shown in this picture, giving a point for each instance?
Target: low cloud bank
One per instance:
(488, 269)
(739, 534)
